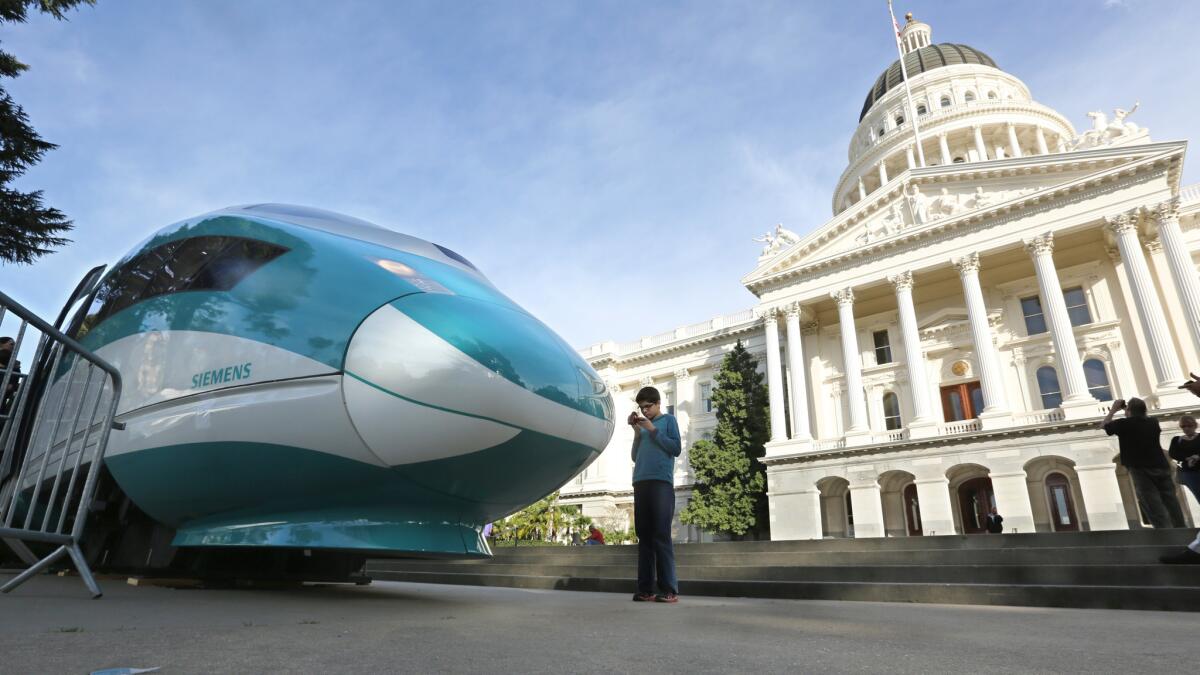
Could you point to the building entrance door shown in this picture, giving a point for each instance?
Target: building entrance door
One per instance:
(912, 511)
(962, 401)
(975, 500)
(1062, 511)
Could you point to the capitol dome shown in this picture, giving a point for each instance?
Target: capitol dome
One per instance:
(924, 60)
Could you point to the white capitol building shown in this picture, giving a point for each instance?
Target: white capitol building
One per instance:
(950, 338)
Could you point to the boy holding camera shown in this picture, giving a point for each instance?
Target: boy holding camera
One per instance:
(656, 444)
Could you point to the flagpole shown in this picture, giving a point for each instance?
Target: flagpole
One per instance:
(912, 108)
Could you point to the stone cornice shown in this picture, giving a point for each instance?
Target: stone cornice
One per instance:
(1166, 155)
(957, 439)
(683, 344)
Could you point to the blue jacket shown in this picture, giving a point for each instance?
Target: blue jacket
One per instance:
(654, 453)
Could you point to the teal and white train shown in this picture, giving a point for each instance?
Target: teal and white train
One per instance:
(299, 379)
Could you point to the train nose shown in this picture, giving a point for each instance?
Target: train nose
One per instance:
(474, 399)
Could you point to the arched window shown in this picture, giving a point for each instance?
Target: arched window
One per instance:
(1097, 380)
(1047, 379)
(992, 96)
(959, 160)
(891, 411)
(882, 131)
(921, 109)
(945, 101)
(969, 96)
(899, 120)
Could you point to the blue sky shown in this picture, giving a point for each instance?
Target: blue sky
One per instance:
(606, 164)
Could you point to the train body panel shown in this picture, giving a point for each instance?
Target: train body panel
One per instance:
(300, 379)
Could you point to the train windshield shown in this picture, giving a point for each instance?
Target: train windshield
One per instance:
(211, 263)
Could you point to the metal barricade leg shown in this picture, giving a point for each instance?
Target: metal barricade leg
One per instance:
(36, 569)
(21, 550)
(85, 572)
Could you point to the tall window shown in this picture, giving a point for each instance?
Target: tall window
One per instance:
(891, 411)
(921, 109)
(706, 396)
(668, 402)
(945, 101)
(1035, 321)
(1077, 307)
(883, 347)
(969, 96)
(1047, 379)
(1097, 380)
(899, 120)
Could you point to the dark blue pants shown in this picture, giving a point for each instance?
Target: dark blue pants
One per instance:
(653, 509)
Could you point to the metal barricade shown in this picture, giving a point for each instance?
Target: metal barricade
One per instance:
(54, 425)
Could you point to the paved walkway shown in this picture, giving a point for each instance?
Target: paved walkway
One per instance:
(50, 625)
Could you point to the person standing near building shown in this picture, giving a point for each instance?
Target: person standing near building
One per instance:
(1191, 554)
(1185, 449)
(656, 444)
(1141, 454)
(995, 522)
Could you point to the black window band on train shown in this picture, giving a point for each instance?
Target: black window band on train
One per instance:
(210, 263)
(454, 256)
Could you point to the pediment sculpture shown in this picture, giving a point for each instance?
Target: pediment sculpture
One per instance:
(776, 241)
(1105, 131)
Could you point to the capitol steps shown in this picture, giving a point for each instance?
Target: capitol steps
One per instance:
(1116, 570)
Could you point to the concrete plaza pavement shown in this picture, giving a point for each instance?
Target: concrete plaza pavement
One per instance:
(50, 625)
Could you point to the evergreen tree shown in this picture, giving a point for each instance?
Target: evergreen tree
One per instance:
(730, 491)
(28, 229)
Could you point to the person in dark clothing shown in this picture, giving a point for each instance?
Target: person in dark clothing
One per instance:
(656, 444)
(1141, 454)
(1185, 449)
(995, 522)
(1191, 554)
(7, 345)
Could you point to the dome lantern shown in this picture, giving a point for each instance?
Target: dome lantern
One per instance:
(915, 34)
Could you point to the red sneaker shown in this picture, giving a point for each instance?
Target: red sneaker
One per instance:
(668, 597)
(643, 597)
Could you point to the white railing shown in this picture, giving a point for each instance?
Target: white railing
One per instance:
(830, 444)
(1038, 417)
(890, 436)
(681, 333)
(960, 427)
(1189, 193)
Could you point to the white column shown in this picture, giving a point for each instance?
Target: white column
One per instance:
(852, 362)
(1102, 496)
(1054, 308)
(937, 515)
(794, 514)
(908, 155)
(1162, 354)
(913, 356)
(868, 509)
(1012, 500)
(883, 177)
(796, 376)
(1187, 283)
(945, 148)
(685, 387)
(1013, 145)
(1061, 145)
(992, 386)
(1040, 135)
(774, 377)
(980, 146)
(862, 189)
